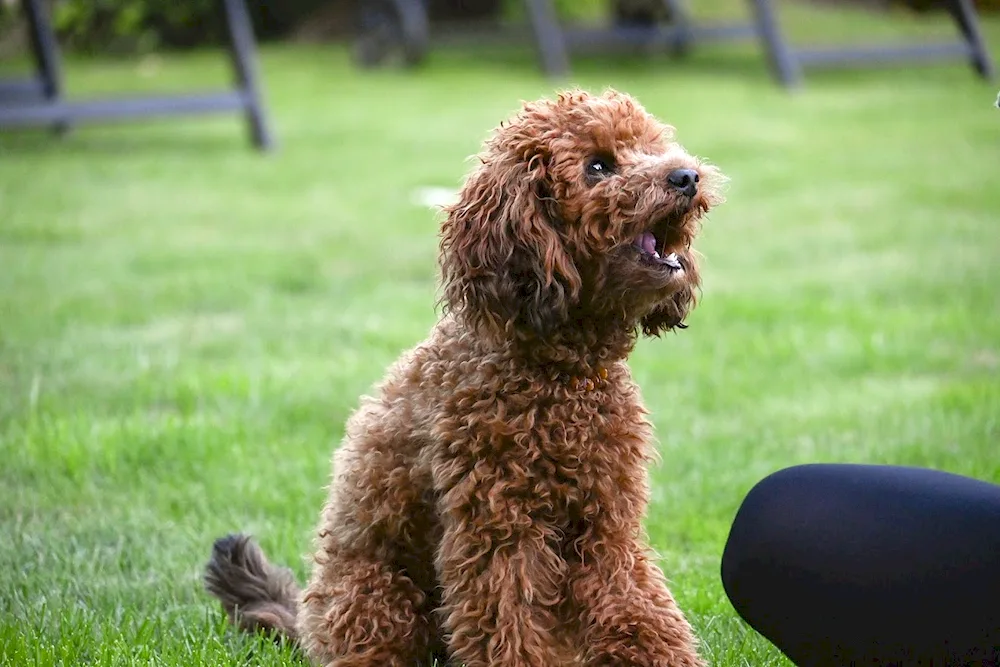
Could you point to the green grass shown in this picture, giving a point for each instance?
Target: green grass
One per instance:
(185, 325)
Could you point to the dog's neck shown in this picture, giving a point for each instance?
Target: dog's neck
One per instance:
(580, 353)
(584, 383)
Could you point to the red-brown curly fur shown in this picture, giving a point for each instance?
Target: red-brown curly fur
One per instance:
(486, 505)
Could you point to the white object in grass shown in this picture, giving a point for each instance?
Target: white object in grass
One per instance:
(433, 197)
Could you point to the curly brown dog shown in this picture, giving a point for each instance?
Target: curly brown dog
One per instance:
(485, 508)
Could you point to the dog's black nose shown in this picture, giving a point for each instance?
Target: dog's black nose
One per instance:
(685, 180)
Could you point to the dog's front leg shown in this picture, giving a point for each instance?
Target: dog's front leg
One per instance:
(628, 616)
(501, 580)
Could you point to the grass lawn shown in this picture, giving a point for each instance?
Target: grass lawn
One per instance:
(185, 325)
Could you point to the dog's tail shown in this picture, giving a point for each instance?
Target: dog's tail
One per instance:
(256, 595)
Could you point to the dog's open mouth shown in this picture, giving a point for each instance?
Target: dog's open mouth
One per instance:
(653, 248)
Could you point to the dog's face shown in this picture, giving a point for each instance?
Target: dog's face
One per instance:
(583, 208)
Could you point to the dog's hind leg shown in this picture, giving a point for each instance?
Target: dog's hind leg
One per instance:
(370, 600)
(363, 612)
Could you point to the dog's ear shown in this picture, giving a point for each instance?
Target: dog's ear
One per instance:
(503, 261)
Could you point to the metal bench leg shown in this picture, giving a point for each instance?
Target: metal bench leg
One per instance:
(242, 51)
(681, 18)
(784, 65)
(964, 14)
(45, 52)
(549, 36)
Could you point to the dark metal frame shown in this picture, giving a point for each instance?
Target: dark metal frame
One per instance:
(39, 100)
(554, 42)
(390, 26)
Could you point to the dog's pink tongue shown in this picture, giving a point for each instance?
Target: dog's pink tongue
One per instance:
(647, 242)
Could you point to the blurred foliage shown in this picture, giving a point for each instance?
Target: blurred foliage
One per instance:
(131, 25)
(141, 25)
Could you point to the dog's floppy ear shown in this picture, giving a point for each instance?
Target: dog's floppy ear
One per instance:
(503, 262)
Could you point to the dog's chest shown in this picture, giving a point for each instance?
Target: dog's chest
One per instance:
(557, 454)
(579, 453)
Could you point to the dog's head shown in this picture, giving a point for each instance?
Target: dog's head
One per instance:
(583, 209)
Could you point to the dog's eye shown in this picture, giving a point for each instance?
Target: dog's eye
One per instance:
(600, 167)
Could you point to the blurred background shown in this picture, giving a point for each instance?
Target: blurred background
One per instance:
(186, 321)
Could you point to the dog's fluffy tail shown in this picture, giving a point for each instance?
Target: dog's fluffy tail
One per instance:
(256, 595)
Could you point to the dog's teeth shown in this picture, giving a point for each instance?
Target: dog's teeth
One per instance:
(656, 255)
(672, 261)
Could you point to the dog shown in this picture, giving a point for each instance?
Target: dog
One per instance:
(485, 507)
